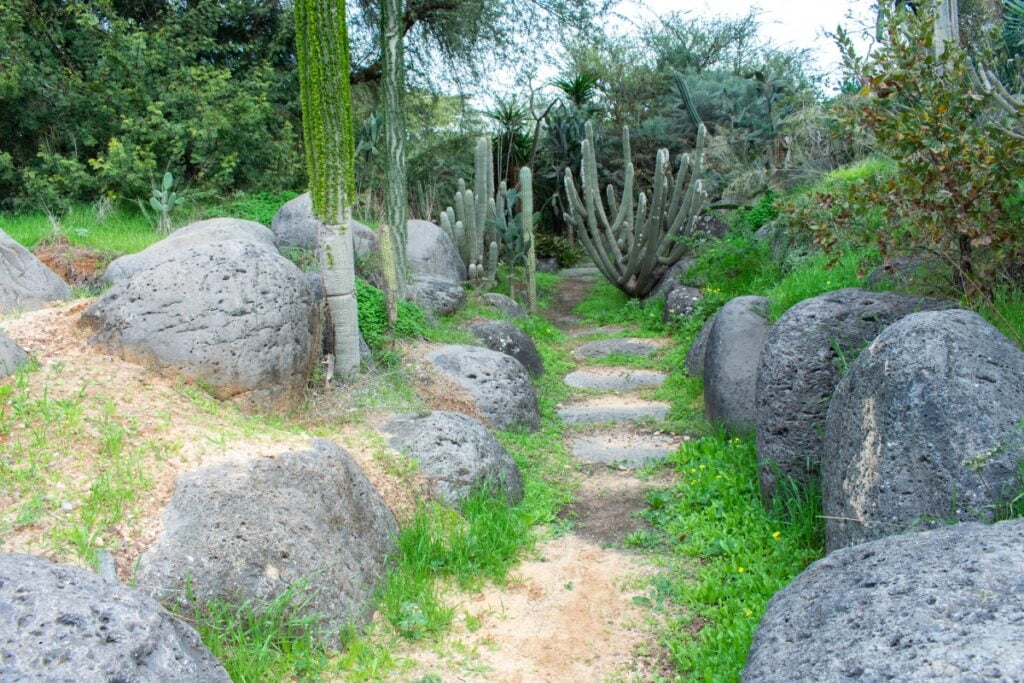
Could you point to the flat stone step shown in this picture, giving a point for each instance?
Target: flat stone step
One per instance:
(613, 409)
(614, 379)
(585, 271)
(627, 346)
(589, 331)
(623, 448)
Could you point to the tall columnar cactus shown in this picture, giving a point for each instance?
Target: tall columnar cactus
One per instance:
(526, 221)
(396, 205)
(321, 41)
(633, 244)
(470, 223)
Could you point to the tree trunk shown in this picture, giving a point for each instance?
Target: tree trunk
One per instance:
(396, 191)
(947, 26)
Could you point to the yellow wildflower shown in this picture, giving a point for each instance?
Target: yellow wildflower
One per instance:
(776, 535)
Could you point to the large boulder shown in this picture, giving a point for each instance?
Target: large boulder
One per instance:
(670, 280)
(944, 605)
(231, 316)
(294, 227)
(246, 532)
(802, 361)
(503, 304)
(730, 361)
(695, 356)
(505, 337)
(430, 251)
(457, 454)
(498, 384)
(60, 623)
(12, 356)
(436, 295)
(194, 234)
(25, 283)
(927, 426)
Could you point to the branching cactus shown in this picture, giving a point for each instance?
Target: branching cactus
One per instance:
(164, 201)
(633, 243)
(470, 222)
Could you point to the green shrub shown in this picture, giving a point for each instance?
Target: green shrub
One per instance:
(558, 248)
(373, 317)
(257, 206)
(750, 219)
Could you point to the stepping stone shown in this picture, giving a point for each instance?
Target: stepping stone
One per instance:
(613, 409)
(568, 320)
(580, 272)
(623, 448)
(608, 347)
(607, 329)
(614, 379)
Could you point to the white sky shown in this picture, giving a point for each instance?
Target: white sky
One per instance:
(788, 23)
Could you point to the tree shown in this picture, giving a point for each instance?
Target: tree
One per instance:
(321, 41)
(396, 192)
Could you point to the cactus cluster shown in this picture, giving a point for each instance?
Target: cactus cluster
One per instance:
(163, 201)
(470, 223)
(633, 243)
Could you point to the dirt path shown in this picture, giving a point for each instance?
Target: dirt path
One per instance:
(568, 613)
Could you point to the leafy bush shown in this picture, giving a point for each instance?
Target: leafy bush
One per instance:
(957, 168)
(558, 248)
(373, 317)
(258, 206)
(751, 219)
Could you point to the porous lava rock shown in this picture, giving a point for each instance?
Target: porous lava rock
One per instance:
(802, 361)
(457, 454)
(504, 304)
(498, 384)
(247, 531)
(504, 337)
(946, 604)
(194, 234)
(430, 251)
(61, 623)
(12, 356)
(25, 283)
(926, 427)
(233, 317)
(731, 361)
(436, 295)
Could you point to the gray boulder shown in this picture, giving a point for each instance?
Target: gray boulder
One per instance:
(232, 316)
(436, 295)
(247, 531)
(944, 605)
(670, 280)
(194, 234)
(457, 454)
(730, 361)
(60, 623)
(680, 302)
(12, 356)
(927, 426)
(505, 337)
(25, 283)
(547, 265)
(504, 304)
(695, 356)
(497, 383)
(294, 227)
(802, 362)
(430, 251)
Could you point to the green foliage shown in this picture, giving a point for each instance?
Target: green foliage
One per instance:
(750, 219)
(732, 556)
(956, 167)
(257, 206)
(373, 317)
(121, 231)
(262, 643)
(607, 305)
(559, 248)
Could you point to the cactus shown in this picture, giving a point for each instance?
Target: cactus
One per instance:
(470, 222)
(633, 247)
(163, 201)
(526, 222)
(389, 268)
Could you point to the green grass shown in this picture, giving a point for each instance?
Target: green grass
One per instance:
(122, 231)
(607, 305)
(729, 554)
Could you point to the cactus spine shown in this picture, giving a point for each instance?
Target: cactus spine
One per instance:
(526, 220)
(633, 247)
